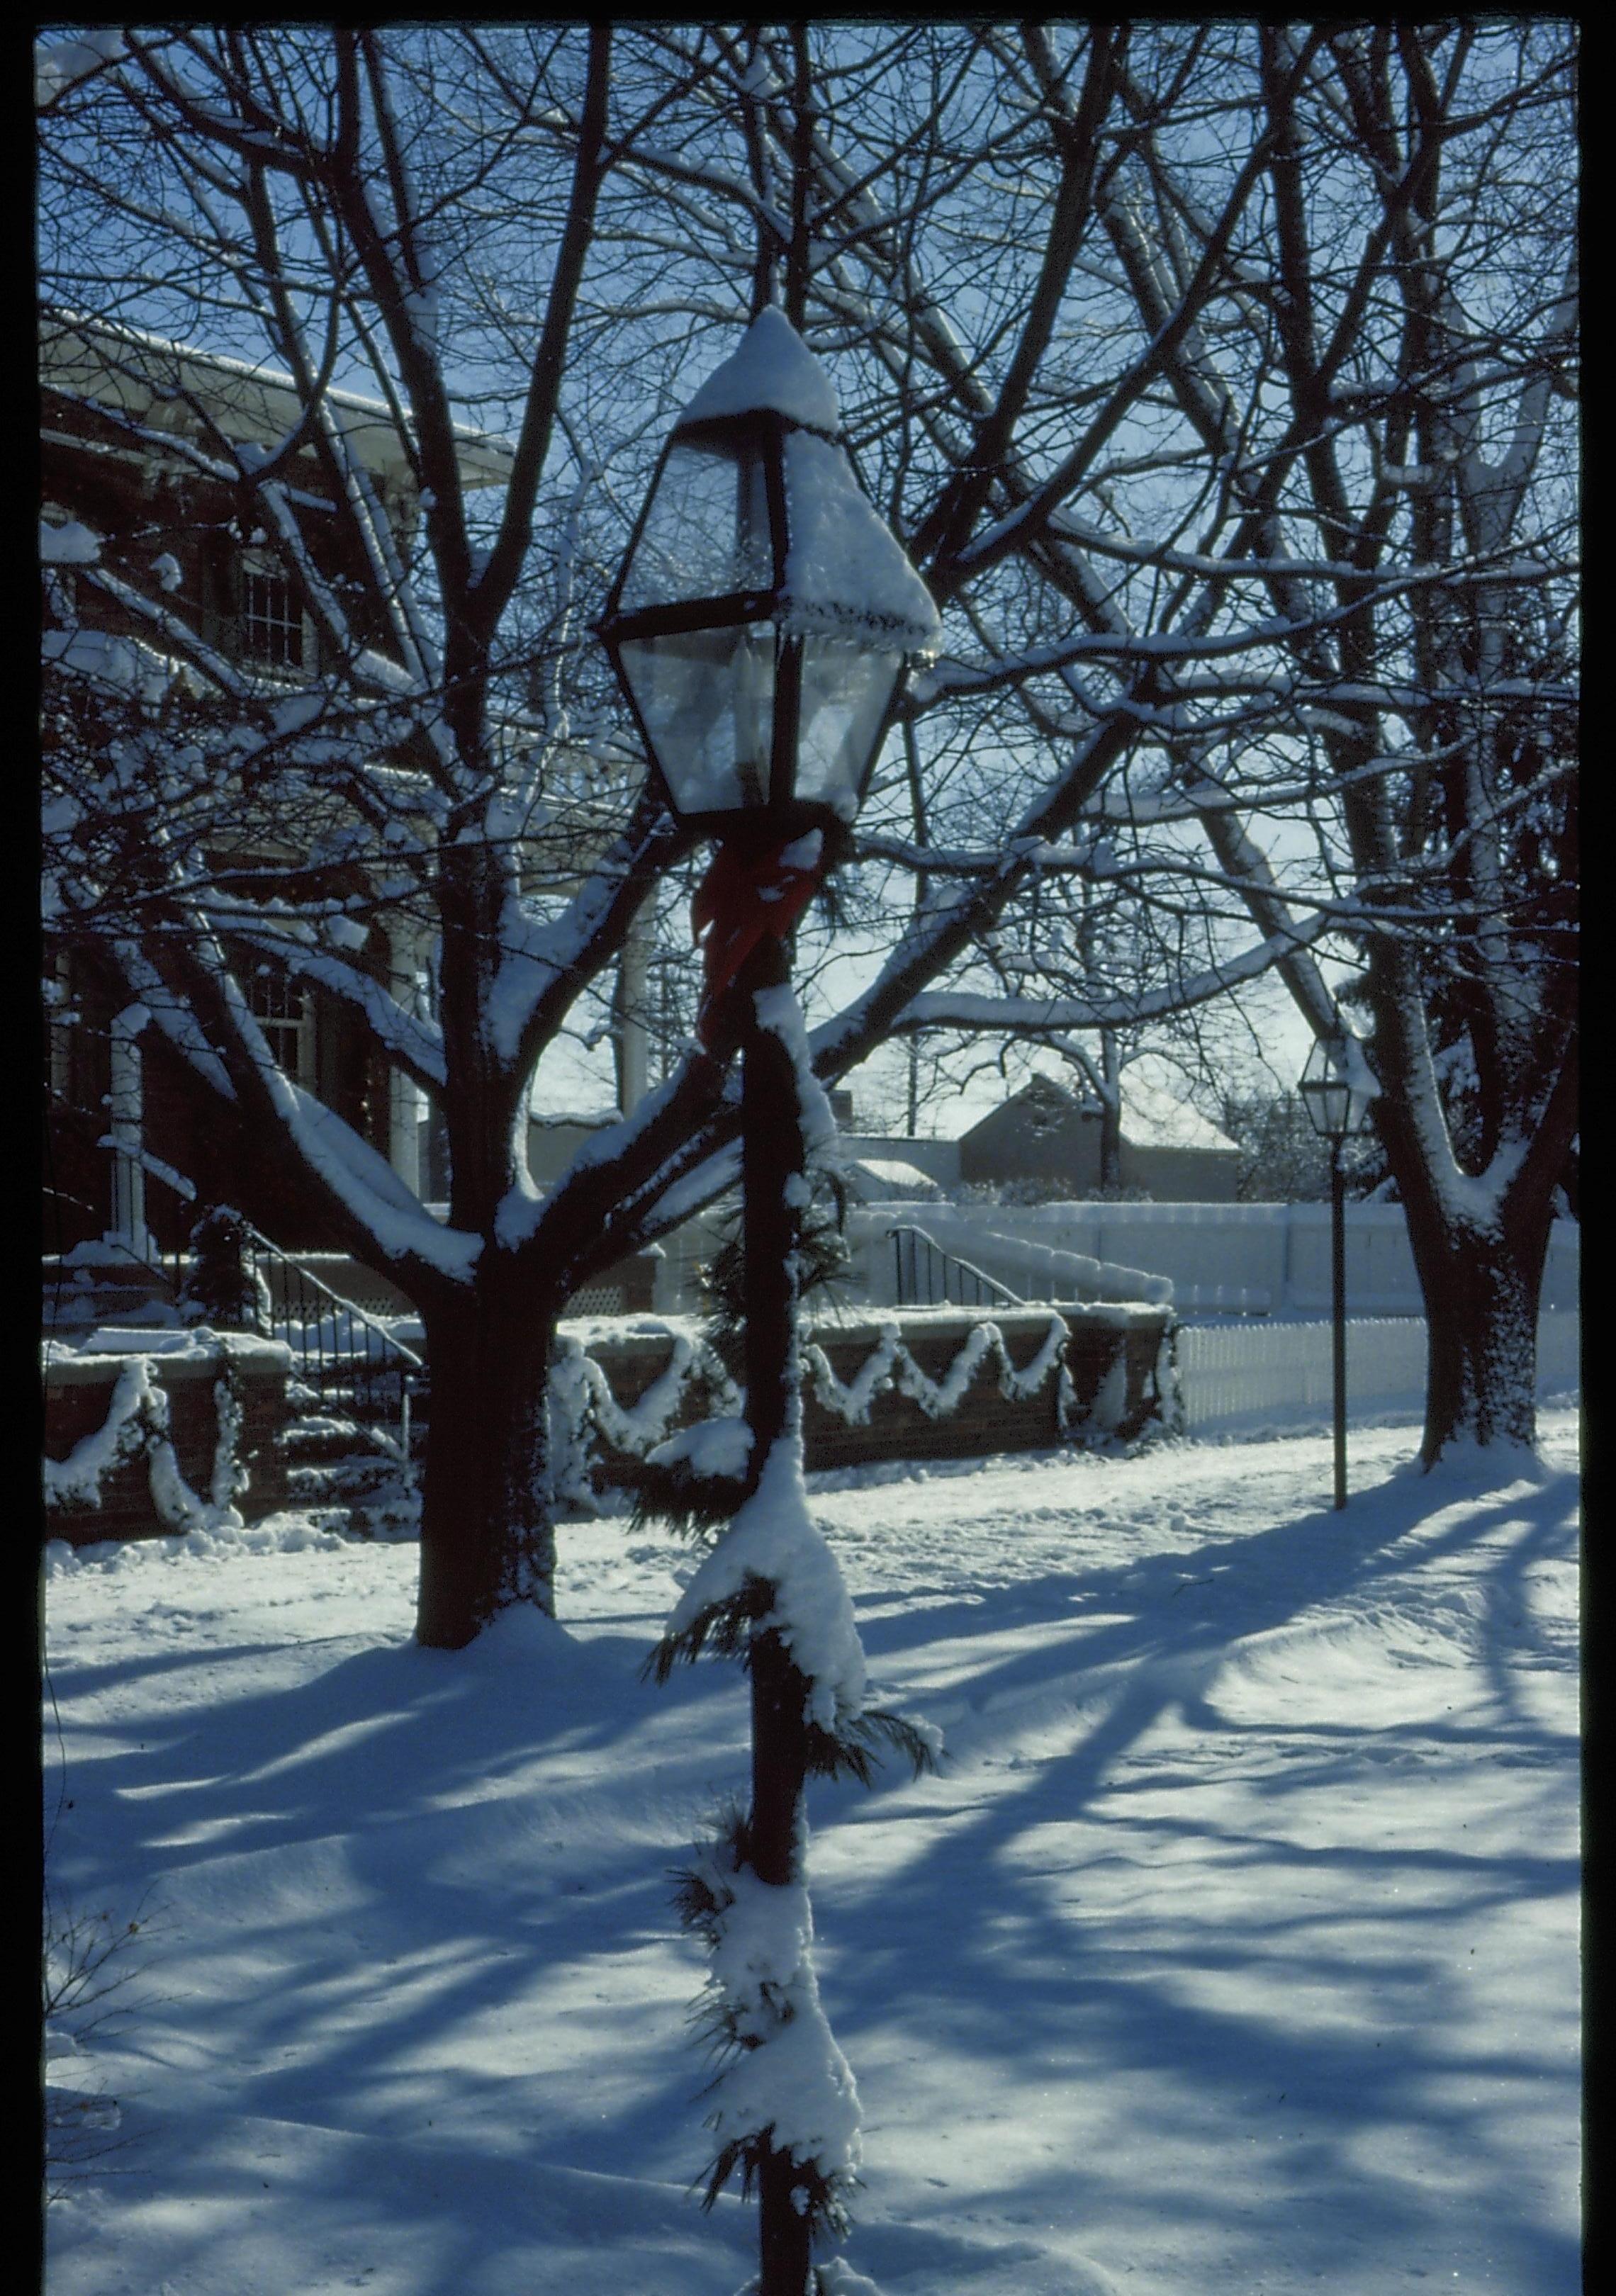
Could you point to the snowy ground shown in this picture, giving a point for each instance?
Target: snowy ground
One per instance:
(1235, 1949)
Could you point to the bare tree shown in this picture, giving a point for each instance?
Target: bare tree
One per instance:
(1211, 375)
(1259, 502)
(322, 197)
(1388, 395)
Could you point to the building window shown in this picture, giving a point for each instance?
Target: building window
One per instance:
(282, 1011)
(272, 620)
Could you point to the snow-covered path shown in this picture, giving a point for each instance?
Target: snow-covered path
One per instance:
(1233, 1949)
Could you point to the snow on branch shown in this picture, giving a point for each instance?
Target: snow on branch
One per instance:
(365, 1184)
(1464, 568)
(772, 1541)
(354, 1176)
(781, 2075)
(945, 1008)
(181, 642)
(944, 927)
(59, 65)
(543, 964)
(172, 1016)
(673, 1194)
(414, 1044)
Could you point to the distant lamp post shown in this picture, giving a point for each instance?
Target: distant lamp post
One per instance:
(760, 625)
(1336, 1091)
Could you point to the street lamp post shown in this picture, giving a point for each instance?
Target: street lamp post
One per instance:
(760, 627)
(1336, 1091)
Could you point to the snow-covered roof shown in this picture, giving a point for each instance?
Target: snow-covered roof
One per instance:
(110, 660)
(887, 1179)
(1152, 1118)
(147, 377)
(591, 1120)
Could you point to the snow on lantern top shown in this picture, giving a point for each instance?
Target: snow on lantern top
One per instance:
(756, 493)
(764, 613)
(772, 368)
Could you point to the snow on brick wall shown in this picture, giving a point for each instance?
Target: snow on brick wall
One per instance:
(183, 1439)
(931, 1383)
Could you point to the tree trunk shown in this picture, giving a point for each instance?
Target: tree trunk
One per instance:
(1481, 1283)
(1479, 1241)
(488, 1537)
(1111, 1113)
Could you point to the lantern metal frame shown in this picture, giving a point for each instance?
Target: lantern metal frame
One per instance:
(758, 437)
(1336, 1109)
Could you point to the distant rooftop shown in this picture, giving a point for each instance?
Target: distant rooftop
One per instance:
(159, 384)
(1152, 1117)
(889, 1180)
(1155, 1119)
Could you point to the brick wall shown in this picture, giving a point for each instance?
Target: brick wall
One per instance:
(79, 1389)
(898, 1427)
(77, 1398)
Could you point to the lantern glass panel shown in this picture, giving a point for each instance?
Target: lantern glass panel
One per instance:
(707, 701)
(1328, 1103)
(706, 533)
(846, 689)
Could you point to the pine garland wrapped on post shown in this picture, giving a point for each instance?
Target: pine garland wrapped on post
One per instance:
(769, 1592)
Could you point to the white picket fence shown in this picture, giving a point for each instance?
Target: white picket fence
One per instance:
(1246, 1375)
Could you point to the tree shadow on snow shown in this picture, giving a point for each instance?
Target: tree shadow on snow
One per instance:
(1070, 1953)
(416, 1839)
(422, 1837)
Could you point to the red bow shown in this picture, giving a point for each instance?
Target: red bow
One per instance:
(737, 903)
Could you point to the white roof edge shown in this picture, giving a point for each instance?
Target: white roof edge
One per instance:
(484, 459)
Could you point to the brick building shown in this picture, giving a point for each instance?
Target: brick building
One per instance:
(139, 439)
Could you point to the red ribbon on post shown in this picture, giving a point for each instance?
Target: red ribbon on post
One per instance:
(740, 900)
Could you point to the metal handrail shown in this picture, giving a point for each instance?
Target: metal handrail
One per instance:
(942, 1268)
(351, 1308)
(360, 1359)
(167, 1265)
(361, 1371)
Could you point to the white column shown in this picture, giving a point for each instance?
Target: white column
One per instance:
(61, 1047)
(127, 1108)
(404, 1095)
(634, 1047)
